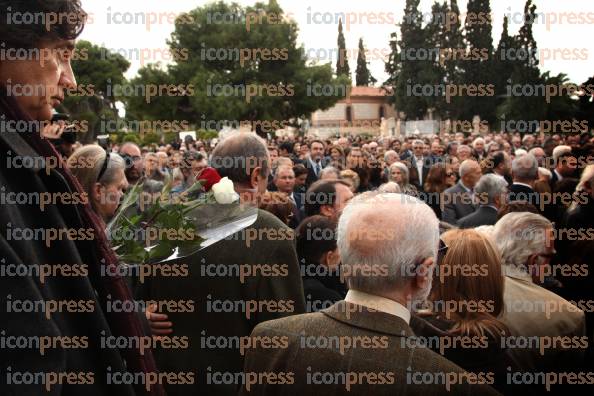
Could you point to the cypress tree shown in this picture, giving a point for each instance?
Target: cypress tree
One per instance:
(363, 77)
(479, 68)
(412, 70)
(523, 100)
(342, 64)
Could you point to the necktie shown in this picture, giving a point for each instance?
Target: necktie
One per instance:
(318, 169)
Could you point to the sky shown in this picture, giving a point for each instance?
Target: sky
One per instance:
(563, 34)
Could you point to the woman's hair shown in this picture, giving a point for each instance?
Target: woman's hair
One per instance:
(470, 272)
(86, 163)
(315, 236)
(337, 148)
(405, 174)
(351, 176)
(436, 179)
(278, 204)
(39, 28)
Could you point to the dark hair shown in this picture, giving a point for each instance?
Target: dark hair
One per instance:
(316, 141)
(299, 170)
(187, 159)
(287, 146)
(498, 158)
(315, 236)
(237, 156)
(71, 19)
(436, 179)
(278, 204)
(321, 193)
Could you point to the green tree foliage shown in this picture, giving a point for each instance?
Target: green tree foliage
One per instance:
(504, 62)
(524, 97)
(413, 68)
(363, 76)
(479, 66)
(393, 65)
(247, 67)
(437, 45)
(342, 63)
(586, 104)
(99, 74)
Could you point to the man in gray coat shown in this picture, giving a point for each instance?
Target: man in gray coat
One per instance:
(491, 193)
(364, 345)
(459, 200)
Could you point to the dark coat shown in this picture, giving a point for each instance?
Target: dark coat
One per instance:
(323, 290)
(385, 353)
(281, 288)
(484, 215)
(519, 192)
(30, 254)
(481, 355)
(457, 204)
(311, 173)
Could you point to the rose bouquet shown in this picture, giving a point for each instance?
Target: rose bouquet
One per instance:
(157, 227)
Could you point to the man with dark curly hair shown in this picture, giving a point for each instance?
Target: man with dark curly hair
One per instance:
(58, 297)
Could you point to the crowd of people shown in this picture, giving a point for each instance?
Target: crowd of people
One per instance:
(516, 231)
(432, 264)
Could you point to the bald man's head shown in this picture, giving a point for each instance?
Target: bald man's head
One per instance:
(244, 159)
(390, 235)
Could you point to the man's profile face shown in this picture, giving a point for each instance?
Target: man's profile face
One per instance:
(39, 88)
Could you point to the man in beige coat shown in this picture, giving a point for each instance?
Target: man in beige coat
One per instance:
(548, 332)
(364, 344)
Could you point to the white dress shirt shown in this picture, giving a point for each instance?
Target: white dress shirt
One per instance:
(378, 303)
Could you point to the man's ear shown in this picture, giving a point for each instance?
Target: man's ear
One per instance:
(254, 179)
(423, 276)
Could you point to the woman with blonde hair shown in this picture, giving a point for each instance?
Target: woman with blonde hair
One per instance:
(101, 175)
(465, 300)
(352, 178)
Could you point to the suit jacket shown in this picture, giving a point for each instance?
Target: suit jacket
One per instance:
(413, 171)
(525, 316)
(520, 192)
(311, 173)
(458, 203)
(281, 290)
(484, 215)
(310, 368)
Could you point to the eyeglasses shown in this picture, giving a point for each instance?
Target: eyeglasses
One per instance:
(441, 251)
(104, 166)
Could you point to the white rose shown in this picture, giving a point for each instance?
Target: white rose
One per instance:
(224, 192)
